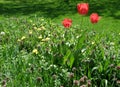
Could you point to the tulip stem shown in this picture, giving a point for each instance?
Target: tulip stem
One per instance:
(81, 22)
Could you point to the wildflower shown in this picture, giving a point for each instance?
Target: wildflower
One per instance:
(35, 51)
(39, 79)
(43, 28)
(83, 86)
(118, 81)
(111, 65)
(35, 28)
(71, 75)
(18, 40)
(39, 29)
(94, 18)
(23, 37)
(77, 37)
(32, 68)
(2, 33)
(74, 69)
(76, 82)
(82, 80)
(83, 8)
(61, 86)
(88, 83)
(40, 37)
(85, 77)
(41, 43)
(3, 82)
(33, 24)
(118, 67)
(93, 43)
(46, 39)
(54, 76)
(67, 22)
(30, 32)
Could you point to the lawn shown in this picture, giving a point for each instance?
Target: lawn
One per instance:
(37, 51)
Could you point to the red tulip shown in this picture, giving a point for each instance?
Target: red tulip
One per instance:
(94, 18)
(67, 22)
(83, 8)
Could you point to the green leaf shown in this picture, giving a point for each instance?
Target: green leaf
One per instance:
(69, 56)
(71, 60)
(65, 58)
(100, 68)
(95, 68)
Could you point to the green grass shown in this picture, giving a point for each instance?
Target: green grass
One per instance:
(105, 24)
(82, 55)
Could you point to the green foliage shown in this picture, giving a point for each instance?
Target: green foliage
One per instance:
(33, 49)
(35, 52)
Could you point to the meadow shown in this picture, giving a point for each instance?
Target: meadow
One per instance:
(37, 51)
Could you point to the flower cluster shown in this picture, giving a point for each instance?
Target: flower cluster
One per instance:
(82, 9)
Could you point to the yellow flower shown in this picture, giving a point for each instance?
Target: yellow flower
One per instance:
(23, 37)
(35, 28)
(35, 51)
(33, 24)
(46, 39)
(30, 31)
(18, 40)
(39, 29)
(93, 43)
(40, 37)
(43, 28)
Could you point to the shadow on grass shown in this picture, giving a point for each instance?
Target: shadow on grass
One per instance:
(106, 7)
(47, 9)
(55, 8)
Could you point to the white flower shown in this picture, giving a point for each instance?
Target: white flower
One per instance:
(2, 33)
(77, 36)
(54, 66)
(67, 43)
